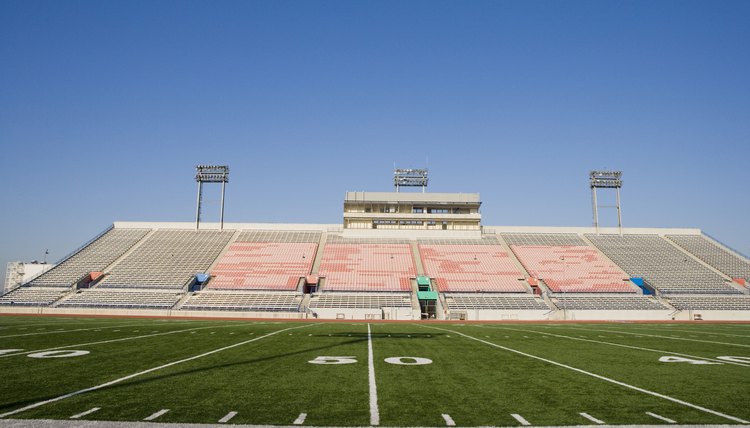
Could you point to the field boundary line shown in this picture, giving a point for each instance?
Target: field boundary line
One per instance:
(108, 341)
(597, 376)
(663, 337)
(153, 369)
(621, 345)
(374, 411)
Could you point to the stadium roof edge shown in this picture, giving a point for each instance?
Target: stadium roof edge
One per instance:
(338, 228)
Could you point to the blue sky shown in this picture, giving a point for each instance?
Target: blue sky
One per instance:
(106, 107)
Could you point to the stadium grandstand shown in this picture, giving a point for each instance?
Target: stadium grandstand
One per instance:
(397, 255)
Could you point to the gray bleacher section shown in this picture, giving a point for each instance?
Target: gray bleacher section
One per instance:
(32, 296)
(663, 266)
(360, 300)
(544, 239)
(495, 301)
(92, 258)
(713, 255)
(282, 236)
(243, 301)
(719, 303)
(122, 299)
(168, 259)
(486, 240)
(608, 303)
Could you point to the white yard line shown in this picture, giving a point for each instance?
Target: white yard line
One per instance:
(156, 415)
(228, 417)
(665, 337)
(131, 376)
(667, 420)
(689, 331)
(87, 412)
(591, 418)
(448, 420)
(104, 341)
(374, 412)
(620, 345)
(521, 420)
(300, 419)
(600, 377)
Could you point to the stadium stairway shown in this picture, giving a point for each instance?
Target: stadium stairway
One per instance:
(417, 257)
(177, 306)
(319, 253)
(71, 292)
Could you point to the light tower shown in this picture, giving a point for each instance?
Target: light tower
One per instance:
(606, 180)
(410, 178)
(211, 174)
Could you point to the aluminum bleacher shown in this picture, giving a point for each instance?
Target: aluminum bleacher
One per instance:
(543, 239)
(93, 257)
(718, 303)
(663, 266)
(32, 296)
(494, 301)
(573, 269)
(471, 268)
(263, 266)
(168, 259)
(610, 303)
(339, 300)
(367, 267)
(122, 299)
(719, 258)
(243, 301)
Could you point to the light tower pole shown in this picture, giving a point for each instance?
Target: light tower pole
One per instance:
(606, 180)
(210, 174)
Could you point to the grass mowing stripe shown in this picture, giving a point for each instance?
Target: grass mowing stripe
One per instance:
(604, 378)
(106, 341)
(623, 346)
(72, 331)
(663, 337)
(374, 412)
(153, 369)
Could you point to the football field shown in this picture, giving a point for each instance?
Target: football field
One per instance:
(366, 374)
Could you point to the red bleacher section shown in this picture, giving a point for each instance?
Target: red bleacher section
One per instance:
(263, 266)
(367, 267)
(573, 269)
(471, 268)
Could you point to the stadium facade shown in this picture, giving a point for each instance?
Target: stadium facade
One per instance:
(396, 256)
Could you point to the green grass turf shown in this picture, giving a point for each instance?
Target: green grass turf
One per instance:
(270, 380)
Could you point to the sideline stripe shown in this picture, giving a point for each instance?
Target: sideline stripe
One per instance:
(448, 420)
(591, 418)
(604, 378)
(521, 420)
(70, 331)
(87, 412)
(156, 415)
(300, 419)
(374, 412)
(227, 418)
(667, 420)
(153, 369)
(103, 341)
(626, 346)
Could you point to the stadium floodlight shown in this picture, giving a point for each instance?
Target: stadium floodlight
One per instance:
(410, 178)
(210, 174)
(606, 180)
